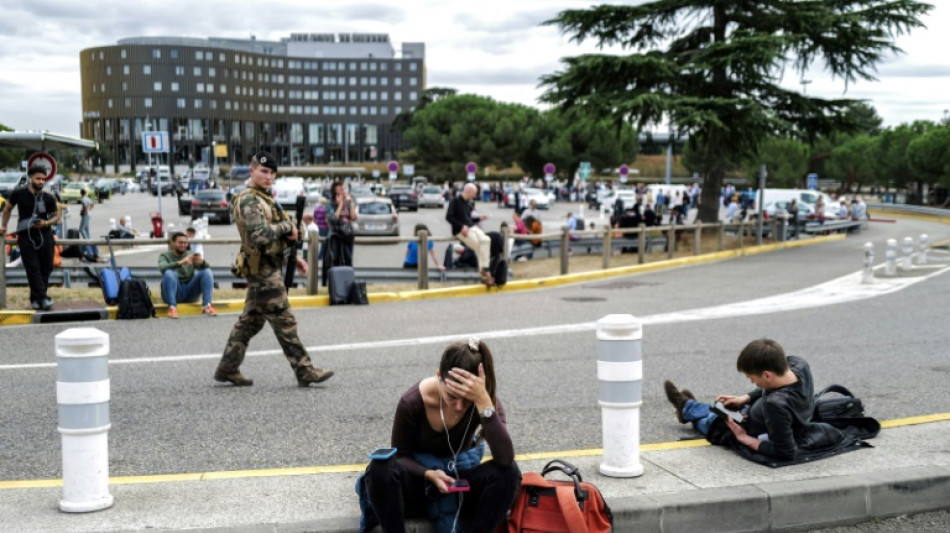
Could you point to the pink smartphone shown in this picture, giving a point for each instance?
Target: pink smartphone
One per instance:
(460, 485)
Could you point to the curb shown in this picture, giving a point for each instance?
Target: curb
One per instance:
(774, 506)
(17, 318)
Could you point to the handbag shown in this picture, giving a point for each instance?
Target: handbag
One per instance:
(544, 506)
(843, 406)
(346, 232)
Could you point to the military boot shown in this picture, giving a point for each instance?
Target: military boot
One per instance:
(311, 374)
(226, 374)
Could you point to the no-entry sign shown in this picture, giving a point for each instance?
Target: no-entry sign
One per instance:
(44, 160)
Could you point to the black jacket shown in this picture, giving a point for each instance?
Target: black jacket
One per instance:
(459, 214)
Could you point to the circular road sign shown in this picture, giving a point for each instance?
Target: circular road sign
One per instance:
(624, 170)
(471, 167)
(393, 166)
(549, 168)
(44, 160)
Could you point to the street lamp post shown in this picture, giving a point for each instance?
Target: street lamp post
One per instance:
(805, 84)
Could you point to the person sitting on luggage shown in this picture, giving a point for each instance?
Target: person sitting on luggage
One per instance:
(124, 230)
(412, 250)
(775, 412)
(439, 431)
(185, 276)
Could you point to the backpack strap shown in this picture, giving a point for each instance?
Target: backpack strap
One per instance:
(840, 389)
(570, 510)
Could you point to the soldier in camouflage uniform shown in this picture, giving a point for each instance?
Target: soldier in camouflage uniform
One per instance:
(265, 233)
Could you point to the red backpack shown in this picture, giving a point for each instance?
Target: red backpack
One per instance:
(545, 506)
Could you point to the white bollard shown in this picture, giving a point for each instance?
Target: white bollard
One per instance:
(82, 395)
(867, 276)
(908, 254)
(620, 374)
(890, 258)
(922, 250)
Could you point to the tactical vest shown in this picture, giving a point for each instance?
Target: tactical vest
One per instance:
(254, 254)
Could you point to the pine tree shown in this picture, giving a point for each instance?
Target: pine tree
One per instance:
(714, 68)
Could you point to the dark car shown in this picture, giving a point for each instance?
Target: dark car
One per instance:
(212, 202)
(404, 197)
(11, 180)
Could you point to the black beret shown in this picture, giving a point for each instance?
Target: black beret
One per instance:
(264, 159)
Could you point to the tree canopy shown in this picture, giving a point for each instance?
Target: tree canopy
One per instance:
(714, 69)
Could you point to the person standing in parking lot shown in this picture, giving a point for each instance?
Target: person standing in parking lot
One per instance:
(37, 215)
(86, 206)
(342, 212)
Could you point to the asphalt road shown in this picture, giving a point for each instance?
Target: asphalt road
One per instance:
(168, 414)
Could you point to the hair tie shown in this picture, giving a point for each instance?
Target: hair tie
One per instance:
(473, 343)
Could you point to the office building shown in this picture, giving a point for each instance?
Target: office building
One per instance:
(311, 98)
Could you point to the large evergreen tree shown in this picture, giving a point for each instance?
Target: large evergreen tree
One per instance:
(714, 68)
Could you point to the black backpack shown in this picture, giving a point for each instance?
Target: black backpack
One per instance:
(135, 300)
(831, 407)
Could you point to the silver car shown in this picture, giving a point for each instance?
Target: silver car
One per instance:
(376, 216)
(431, 196)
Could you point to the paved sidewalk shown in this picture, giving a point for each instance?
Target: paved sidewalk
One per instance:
(687, 486)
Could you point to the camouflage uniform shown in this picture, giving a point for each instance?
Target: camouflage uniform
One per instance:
(263, 226)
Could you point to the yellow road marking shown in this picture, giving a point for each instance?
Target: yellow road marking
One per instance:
(357, 468)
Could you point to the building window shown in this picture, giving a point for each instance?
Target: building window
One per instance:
(224, 89)
(197, 71)
(352, 94)
(227, 105)
(125, 70)
(174, 86)
(128, 102)
(397, 110)
(125, 86)
(157, 86)
(146, 69)
(341, 66)
(413, 81)
(384, 110)
(384, 96)
(199, 55)
(173, 54)
(413, 95)
(213, 104)
(341, 81)
(221, 57)
(211, 72)
(372, 66)
(102, 87)
(156, 53)
(148, 103)
(397, 96)
(384, 81)
(372, 82)
(108, 71)
(352, 81)
(397, 66)
(198, 103)
(200, 87)
(181, 103)
(397, 82)
(353, 110)
(179, 70)
(101, 54)
(364, 95)
(364, 110)
(109, 103)
(413, 67)
(122, 53)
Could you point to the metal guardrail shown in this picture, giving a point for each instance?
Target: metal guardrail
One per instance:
(918, 209)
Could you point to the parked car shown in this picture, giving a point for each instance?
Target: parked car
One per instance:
(377, 216)
(540, 198)
(71, 192)
(213, 203)
(239, 174)
(198, 178)
(165, 176)
(11, 180)
(431, 196)
(404, 197)
(362, 191)
(106, 187)
(287, 189)
(312, 191)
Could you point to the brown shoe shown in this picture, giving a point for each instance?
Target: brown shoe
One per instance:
(236, 378)
(313, 375)
(487, 278)
(677, 398)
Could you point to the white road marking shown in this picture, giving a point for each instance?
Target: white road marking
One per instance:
(837, 291)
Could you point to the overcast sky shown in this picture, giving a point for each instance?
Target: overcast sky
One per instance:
(488, 47)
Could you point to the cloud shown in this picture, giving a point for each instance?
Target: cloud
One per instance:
(908, 70)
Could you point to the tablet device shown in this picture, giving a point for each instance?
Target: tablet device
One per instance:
(381, 454)
(725, 412)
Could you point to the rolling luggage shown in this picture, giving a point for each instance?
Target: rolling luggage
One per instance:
(110, 278)
(340, 283)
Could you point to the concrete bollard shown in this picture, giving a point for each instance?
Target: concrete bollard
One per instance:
(907, 255)
(890, 258)
(82, 395)
(620, 373)
(867, 276)
(922, 250)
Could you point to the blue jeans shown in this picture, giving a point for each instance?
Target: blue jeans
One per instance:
(700, 414)
(174, 290)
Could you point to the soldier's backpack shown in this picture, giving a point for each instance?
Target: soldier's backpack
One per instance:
(135, 300)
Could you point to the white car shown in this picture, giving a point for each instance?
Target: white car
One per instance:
(539, 197)
(286, 190)
(431, 196)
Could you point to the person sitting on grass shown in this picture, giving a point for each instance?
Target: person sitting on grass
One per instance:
(185, 276)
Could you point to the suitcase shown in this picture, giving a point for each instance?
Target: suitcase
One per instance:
(339, 284)
(111, 278)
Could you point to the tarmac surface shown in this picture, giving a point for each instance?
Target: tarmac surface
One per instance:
(186, 455)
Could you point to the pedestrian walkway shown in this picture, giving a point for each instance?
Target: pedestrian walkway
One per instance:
(686, 486)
